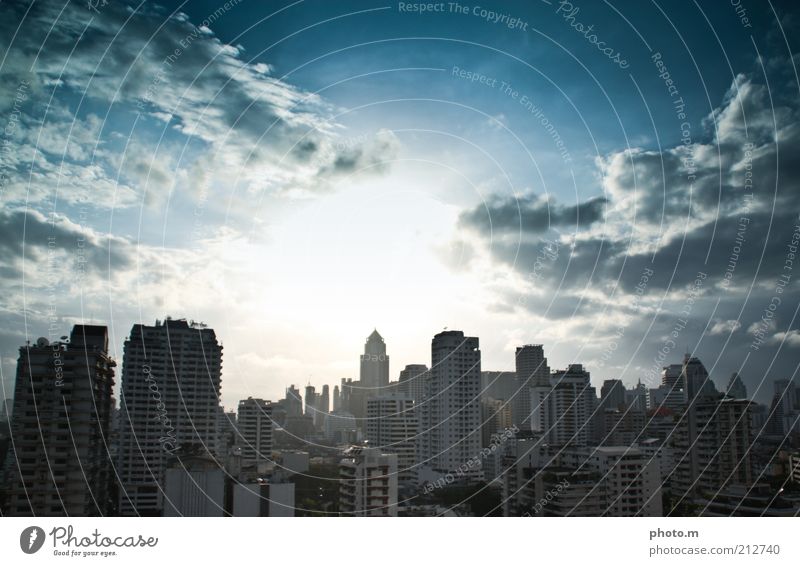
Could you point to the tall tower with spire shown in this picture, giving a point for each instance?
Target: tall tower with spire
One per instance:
(374, 365)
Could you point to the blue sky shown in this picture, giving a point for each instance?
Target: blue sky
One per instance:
(301, 172)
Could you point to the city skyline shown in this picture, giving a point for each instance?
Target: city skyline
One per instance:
(295, 258)
(483, 181)
(170, 449)
(230, 401)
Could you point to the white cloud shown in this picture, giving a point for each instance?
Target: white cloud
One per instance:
(723, 327)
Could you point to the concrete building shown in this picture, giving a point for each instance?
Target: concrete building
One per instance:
(368, 483)
(194, 486)
(254, 431)
(59, 460)
(563, 409)
(412, 382)
(311, 402)
(712, 443)
(293, 402)
(374, 365)
(612, 394)
(266, 498)
(630, 478)
(531, 371)
(696, 379)
(673, 388)
(341, 428)
(392, 428)
(323, 408)
(736, 387)
(542, 480)
(496, 416)
(450, 415)
(171, 379)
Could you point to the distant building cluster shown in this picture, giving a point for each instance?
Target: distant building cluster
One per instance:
(444, 439)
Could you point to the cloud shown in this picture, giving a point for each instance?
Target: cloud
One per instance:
(31, 234)
(531, 214)
(724, 327)
(134, 97)
(790, 338)
(715, 214)
(722, 211)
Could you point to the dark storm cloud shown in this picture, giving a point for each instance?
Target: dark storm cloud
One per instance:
(733, 210)
(31, 234)
(531, 214)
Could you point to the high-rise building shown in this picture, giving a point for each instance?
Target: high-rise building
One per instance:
(392, 428)
(194, 486)
(324, 403)
(713, 446)
(354, 399)
(637, 398)
(60, 455)
(698, 382)
(374, 365)
(499, 385)
(547, 481)
(337, 400)
(531, 371)
(412, 381)
(673, 388)
(311, 401)
(273, 497)
(450, 414)
(629, 477)
(495, 417)
(784, 413)
(323, 408)
(736, 387)
(563, 410)
(171, 379)
(254, 431)
(226, 432)
(294, 402)
(612, 394)
(368, 483)
(341, 428)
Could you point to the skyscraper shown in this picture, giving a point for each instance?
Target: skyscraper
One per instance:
(673, 387)
(170, 401)
(374, 365)
(412, 381)
(531, 371)
(60, 426)
(736, 387)
(713, 446)
(450, 413)
(294, 402)
(696, 378)
(337, 400)
(563, 409)
(392, 428)
(324, 404)
(612, 394)
(323, 408)
(311, 401)
(254, 431)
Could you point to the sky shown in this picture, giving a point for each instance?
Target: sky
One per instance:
(617, 181)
